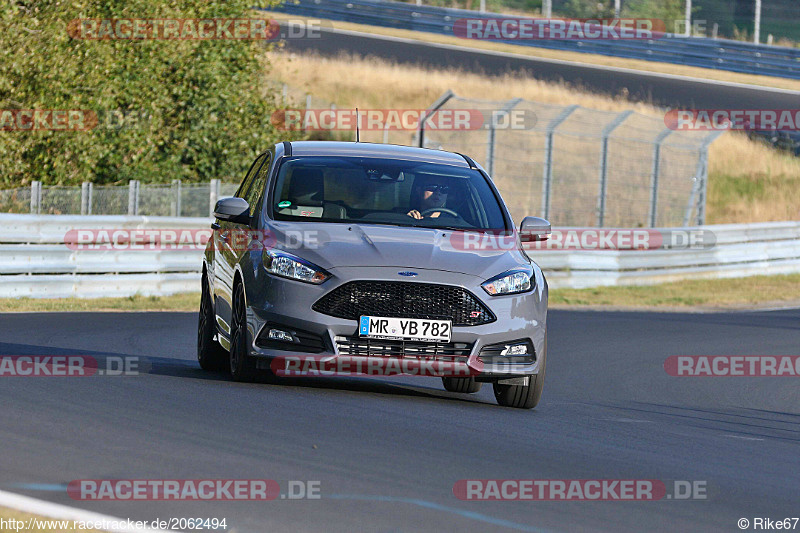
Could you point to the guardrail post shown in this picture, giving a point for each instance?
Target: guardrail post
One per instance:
(176, 204)
(757, 23)
(430, 111)
(654, 175)
(504, 111)
(213, 196)
(36, 197)
(601, 195)
(133, 197)
(547, 175)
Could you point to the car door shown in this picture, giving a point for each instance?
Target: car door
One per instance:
(226, 240)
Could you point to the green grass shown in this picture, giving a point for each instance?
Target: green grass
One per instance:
(755, 291)
(176, 302)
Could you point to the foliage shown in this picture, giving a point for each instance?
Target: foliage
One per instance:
(167, 109)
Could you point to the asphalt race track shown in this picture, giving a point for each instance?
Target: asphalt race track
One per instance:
(387, 452)
(664, 90)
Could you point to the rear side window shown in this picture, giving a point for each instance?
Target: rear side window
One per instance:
(258, 185)
(244, 188)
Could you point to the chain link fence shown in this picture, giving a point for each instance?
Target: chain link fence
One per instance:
(583, 167)
(171, 199)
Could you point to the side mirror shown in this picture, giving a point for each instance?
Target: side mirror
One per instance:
(534, 229)
(233, 210)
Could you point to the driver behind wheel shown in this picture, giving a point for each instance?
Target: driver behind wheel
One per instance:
(426, 196)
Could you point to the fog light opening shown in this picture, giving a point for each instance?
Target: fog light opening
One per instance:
(280, 335)
(515, 349)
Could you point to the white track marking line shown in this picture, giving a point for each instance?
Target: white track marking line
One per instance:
(57, 511)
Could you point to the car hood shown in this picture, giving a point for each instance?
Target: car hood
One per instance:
(331, 245)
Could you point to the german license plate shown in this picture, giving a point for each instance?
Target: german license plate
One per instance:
(409, 329)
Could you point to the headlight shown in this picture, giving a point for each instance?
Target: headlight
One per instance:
(511, 282)
(292, 267)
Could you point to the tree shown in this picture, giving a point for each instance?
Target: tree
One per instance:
(166, 109)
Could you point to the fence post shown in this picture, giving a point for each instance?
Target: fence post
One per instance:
(36, 197)
(176, 205)
(504, 111)
(430, 111)
(84, 197)
(490, 149)
(654, 175)
(133, 197)
(601, 195)
(213, 196)
(703, 176)
(547, 175)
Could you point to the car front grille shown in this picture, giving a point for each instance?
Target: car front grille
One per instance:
(457, 351)
(405, 300)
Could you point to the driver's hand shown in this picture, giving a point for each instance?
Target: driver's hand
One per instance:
(415, 214)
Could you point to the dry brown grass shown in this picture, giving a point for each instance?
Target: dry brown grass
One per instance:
(749, 181)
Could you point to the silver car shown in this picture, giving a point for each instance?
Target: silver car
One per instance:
(335, 251)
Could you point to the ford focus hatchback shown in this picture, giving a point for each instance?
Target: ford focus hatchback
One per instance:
(358, 257)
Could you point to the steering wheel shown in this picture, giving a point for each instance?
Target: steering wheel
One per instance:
(441, 210)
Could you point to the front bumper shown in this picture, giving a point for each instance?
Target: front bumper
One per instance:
(287, 304)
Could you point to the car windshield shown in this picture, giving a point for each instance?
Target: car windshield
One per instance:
(385, 191)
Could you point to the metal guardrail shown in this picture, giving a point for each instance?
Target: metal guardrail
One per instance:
(740, 250)
(721, 54)
(35, 262)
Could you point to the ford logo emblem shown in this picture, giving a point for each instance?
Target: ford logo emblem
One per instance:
(407, 273)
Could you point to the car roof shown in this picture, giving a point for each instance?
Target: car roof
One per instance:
(388, 151)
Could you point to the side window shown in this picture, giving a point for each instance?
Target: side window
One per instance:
(259, 183)
(248, 180)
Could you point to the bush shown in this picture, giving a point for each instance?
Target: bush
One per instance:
(191, 109)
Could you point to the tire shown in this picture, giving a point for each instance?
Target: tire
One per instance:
(242, 364)
(523, 396)
(467, 385)
(211, 355)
